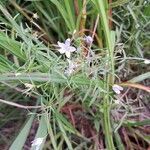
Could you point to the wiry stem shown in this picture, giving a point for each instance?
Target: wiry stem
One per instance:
(18, 105)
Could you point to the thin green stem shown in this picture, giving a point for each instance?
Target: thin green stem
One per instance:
(109, 78)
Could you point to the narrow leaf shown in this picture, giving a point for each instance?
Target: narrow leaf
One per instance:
(21, 138)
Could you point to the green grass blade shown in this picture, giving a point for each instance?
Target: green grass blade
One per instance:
(68, 142)
(45, 77)
(118, 3)
(70, 13)
(119, 143)
(140, 77)
(51, 135)
(109, 79)
(64, 14)
(136, 123)
(41, 132)
(6, 65)
(21, 138)
(41, 77)
(11, 46)
(45, 12)
(67, 125)
(13, 22)
(108, 34)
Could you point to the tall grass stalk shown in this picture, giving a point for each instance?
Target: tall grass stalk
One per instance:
(109, 78)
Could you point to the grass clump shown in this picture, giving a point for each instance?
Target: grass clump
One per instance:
(79, 70)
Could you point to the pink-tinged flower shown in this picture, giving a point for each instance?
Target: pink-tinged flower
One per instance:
(117, 89)
(37, 143)
(88, 40)
(65, 48)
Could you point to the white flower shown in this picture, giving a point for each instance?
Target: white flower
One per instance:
(146, 61)
(30, 86)
(117, 102)
(37, 142)
(71, 67)
(35, 16)
(117, 89)
(88, 40)
(17, 74)
(66, 48)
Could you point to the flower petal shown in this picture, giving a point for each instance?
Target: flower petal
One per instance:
(67, 42)
(120, 87)
(67, 54)
(117, 89)
(71, 49)
(88, 40)
(61, 50)
(37, 142)
(61, 45)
